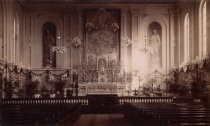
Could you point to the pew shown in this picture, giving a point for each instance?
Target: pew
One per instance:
(39, 114)
(167, 114)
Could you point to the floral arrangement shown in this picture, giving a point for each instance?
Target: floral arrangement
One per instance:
(36, 79)
(89, 26)
(114, 27)
(51, 78)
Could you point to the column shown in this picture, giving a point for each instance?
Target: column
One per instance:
(8, 27)
(172, 38)
(208, 26)
(124, 36)
(208, 36)
(80, 35)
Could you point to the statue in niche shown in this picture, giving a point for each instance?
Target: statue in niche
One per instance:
(155, 48)
(102, 75)
(101, 65)
(49, 41)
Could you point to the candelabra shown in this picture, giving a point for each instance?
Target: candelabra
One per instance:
(144, 46)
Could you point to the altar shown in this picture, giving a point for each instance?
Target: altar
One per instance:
(102, 88)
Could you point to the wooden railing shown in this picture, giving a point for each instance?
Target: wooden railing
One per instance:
(123, 100)
(84, 100)
(94, 105)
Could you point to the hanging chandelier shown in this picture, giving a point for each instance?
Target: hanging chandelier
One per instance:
(144, 47)
(58, 48)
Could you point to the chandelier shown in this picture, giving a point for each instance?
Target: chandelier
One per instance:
(59, 49)
(144, 47)
(102, 10)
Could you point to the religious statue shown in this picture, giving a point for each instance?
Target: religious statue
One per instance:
(101, 65)
(49, 42)
(155, 47)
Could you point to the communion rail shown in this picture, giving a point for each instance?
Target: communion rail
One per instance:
(96, 104)
(84, 100)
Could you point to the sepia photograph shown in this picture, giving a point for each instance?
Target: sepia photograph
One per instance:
(104, 62)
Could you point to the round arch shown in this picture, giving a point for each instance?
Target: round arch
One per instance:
(202, 42)
(162, 20)
(37, 44)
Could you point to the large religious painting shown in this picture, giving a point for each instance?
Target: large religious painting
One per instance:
(155, 33)
(102, 34)
(48, 42)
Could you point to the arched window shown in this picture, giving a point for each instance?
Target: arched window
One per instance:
(16, 43)
(202, 29)
(14, 39)
(186, 38)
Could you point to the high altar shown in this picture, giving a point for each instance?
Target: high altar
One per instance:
(102, 52)
(103, 79)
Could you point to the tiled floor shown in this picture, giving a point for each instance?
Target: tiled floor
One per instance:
(101, 120)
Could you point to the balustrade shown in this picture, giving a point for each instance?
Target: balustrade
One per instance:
(84, 100)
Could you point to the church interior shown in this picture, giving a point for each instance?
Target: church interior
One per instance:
(104, 63)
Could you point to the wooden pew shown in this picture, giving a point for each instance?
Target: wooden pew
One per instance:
(166, 114)
(35, 114)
